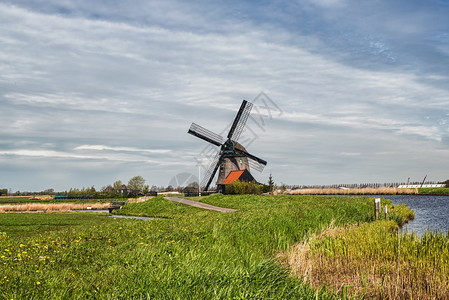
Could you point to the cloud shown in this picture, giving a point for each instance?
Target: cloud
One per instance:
(118, 85)
(124, 149)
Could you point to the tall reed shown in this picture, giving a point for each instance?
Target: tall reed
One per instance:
(30, 207)
(363, 191)
(374, 260)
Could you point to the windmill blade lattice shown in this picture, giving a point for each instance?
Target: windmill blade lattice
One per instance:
(254, 161)
(240, 120)
(205, 134)
(210, 173)
(255, 165)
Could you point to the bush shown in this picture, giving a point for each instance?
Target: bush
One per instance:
(242, 187)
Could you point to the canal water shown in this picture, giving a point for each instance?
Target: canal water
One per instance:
(431, 212)
(119, 216)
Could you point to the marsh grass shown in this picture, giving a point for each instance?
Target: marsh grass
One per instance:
(374, 261)
(363, 191)
(47, 199)
(47, 207)
(434, 191)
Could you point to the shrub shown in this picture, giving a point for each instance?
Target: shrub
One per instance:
(243, 187)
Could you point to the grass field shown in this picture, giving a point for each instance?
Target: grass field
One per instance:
(190, 254)
(434, 191)
(368, 191)
(20, 226)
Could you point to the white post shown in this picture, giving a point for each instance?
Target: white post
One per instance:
(376, 208)
(199, 181)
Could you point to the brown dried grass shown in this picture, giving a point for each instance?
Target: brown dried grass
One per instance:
(355, 275)
(364, 191)
(42, 197)
(43, 207)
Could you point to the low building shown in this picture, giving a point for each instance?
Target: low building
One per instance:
(123, 190)
(414, 186)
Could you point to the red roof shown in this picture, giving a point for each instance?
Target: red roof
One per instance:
(233, 176)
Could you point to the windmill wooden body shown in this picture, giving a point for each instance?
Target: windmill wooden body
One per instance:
(232, 156)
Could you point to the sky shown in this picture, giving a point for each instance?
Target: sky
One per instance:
(344, 91)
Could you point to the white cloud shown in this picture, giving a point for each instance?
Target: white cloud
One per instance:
(122, 89)
(122, 149)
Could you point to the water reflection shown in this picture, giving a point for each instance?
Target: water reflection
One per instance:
(431, 212)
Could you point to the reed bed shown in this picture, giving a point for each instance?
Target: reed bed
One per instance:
(374, 261)
(45, 207)
(364, 191)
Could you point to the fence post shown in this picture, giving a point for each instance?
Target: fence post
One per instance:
(386, 212)
(376, 208)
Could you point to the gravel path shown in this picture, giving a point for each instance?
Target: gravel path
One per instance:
(199, 204)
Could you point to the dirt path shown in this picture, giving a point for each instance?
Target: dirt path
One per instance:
(199, 204)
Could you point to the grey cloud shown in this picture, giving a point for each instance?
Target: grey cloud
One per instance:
(93, 94)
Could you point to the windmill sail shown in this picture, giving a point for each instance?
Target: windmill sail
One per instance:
(240, 120)
(205, 134)
(255, 162)
(210, 173)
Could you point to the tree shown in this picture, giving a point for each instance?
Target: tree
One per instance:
(146, 189)
(191, 188)
(136, 185)
(117, 185)
(4, 192)
(271, 183)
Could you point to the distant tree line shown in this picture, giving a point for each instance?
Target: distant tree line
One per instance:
(3, 192)
(136, 186)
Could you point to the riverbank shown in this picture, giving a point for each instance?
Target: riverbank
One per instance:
(366, 191)
(373, 261)
(192, 253)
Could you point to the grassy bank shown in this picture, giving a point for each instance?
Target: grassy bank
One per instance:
(434, 191)
(373, 260)
(364, 191)
(190, 254)
(368, 191)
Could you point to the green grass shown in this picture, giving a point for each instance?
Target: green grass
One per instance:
(195, 254)
(31, 224)
(433, 191)
(159, 207)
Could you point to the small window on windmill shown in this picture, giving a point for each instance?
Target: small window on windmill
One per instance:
(241, 161)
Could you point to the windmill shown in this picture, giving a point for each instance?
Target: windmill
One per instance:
(231, 156)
